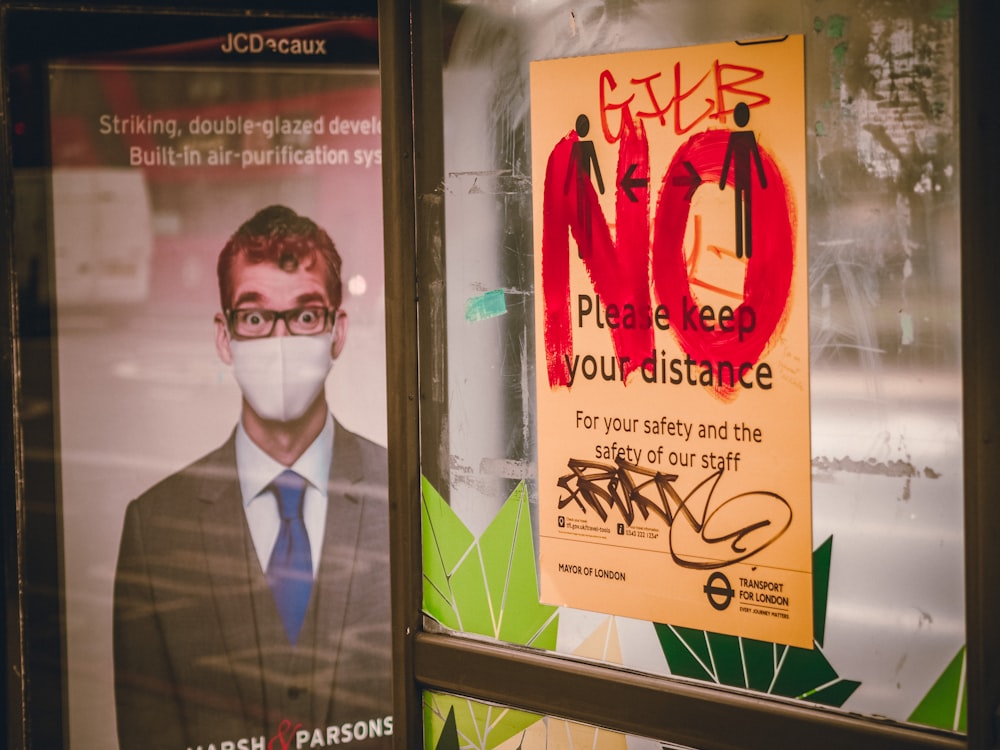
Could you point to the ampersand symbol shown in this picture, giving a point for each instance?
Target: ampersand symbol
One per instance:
(284, 736)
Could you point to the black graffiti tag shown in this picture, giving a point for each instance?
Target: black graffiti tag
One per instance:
(703, 533)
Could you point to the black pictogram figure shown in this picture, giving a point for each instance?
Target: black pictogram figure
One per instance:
(581, 159)
(742, 145)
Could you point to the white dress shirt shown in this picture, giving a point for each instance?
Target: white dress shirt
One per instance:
(257, 470)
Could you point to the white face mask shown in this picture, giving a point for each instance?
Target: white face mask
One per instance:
(280, 376)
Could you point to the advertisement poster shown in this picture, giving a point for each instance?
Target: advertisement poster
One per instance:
(216, 220)
(672, 337)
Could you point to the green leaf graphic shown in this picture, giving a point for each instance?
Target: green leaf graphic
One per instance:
(822, 558)
(765, 667)
(946, 703)
(486, 586)
(446, 540)
(452, 723)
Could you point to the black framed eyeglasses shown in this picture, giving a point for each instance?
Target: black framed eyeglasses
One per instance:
(258, 323)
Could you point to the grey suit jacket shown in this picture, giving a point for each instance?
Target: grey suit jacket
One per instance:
(198, 657)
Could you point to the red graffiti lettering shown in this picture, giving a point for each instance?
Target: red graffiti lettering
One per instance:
(752, 98)
(691, 101)
(769, 270)
(607, 85)
(619, 269)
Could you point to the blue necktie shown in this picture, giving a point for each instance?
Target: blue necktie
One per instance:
(289, 571)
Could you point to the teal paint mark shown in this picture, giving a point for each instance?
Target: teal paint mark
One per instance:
(488, 305)
(839, 53)
(946, 10)
(836, 26)
(820, 128)
(818, 24)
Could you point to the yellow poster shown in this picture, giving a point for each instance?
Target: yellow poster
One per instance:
(672, 337)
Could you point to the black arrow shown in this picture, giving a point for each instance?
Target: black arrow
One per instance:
(628, 182)
(692, 178)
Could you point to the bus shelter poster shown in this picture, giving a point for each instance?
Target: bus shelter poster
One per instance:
(672, 337)
(218, 268)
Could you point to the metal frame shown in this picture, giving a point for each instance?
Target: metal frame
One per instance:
(666, 709)
(12, 686)
(398, 190)
(980, 183)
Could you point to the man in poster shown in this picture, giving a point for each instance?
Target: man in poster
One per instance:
(252, 590)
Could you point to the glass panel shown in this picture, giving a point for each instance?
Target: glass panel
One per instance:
(206, 601)
(455, 723)
(883, 303)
